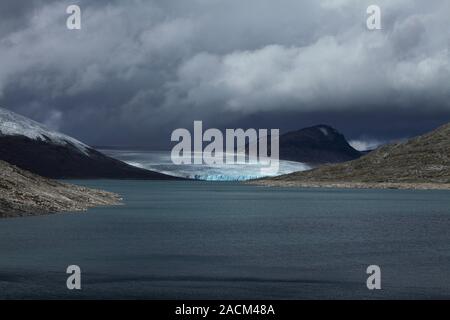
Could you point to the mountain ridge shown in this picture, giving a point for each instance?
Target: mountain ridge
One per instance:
(32, 147)
(316, 145)
(420, 162)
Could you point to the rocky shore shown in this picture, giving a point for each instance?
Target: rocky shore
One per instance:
(24, 194)
(353, 185)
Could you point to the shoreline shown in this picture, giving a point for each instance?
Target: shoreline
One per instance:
(26, 194)
(353, 185)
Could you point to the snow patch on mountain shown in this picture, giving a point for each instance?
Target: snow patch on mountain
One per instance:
(13, 124)
(365, 145)
(324, 131)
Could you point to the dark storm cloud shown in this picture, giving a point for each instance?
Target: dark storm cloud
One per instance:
(139, 69)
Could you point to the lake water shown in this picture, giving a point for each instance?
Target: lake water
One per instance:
(204, 240)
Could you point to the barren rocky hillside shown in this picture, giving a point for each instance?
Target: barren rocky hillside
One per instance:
(23, 193)
(422, 162)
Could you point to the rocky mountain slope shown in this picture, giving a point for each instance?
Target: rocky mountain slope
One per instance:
(422, 162)
(316, 145)
(31, 146)
(23, 193)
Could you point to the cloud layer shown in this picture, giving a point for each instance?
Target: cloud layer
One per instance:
(139, 69)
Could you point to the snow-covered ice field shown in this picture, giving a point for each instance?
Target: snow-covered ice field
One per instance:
(160, 161)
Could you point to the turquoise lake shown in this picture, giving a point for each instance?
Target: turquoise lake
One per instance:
(212, 240)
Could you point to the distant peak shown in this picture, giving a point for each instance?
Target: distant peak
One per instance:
(13, 124)
(322, 129)
(326, 130)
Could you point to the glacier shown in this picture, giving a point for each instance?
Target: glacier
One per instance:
(160, 161)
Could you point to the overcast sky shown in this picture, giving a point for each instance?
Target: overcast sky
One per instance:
(137, 70)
